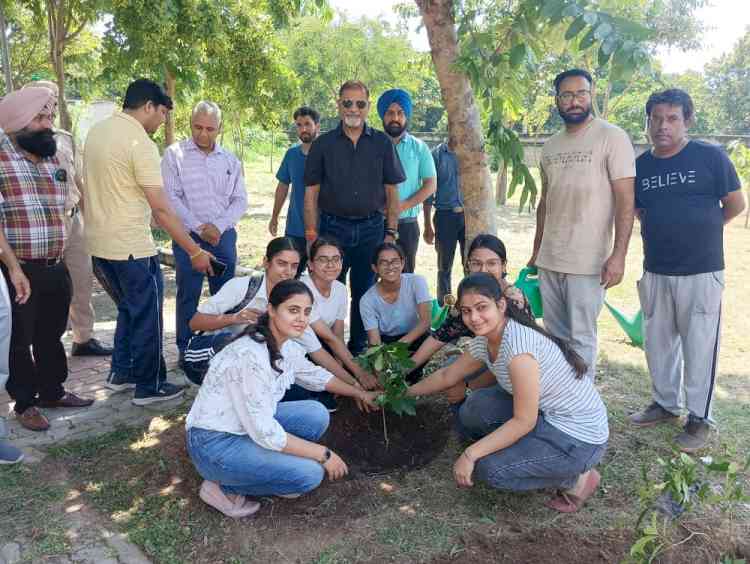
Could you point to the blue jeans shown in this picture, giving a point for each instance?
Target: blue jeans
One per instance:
(358, 238)
(190, 282)
(242, 467)
(544, 458)
(138, 289)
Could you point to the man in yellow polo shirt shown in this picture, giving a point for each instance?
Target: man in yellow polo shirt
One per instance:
(123, 190)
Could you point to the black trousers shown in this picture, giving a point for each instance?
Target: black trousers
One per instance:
(38, 326)
(408, 240)
(449, 231)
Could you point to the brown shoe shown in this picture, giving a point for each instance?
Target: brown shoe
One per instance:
(68, 399)
(33, 419)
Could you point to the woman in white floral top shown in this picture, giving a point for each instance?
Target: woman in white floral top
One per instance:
(242, 441)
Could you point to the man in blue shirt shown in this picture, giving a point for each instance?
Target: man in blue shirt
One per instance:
(685, 192)
(448, 222)
(394, 108)
(292, 171)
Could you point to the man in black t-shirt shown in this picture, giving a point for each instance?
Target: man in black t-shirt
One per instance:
(685, 192)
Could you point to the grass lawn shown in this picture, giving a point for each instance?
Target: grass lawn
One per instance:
(139, 480)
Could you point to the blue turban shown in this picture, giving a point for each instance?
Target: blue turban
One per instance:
(401, 97)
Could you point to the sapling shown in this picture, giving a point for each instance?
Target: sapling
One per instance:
(391, 363)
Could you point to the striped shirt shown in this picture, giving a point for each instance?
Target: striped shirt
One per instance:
(204, 188)
(32, 203)
(569, 404)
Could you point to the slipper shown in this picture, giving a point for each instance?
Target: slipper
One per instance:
(569, 503)
(240, 506)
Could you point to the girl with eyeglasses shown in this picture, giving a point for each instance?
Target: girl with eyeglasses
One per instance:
(486, 254)
(242, 440)
(332, 304)
(399, 306)
(542, 424)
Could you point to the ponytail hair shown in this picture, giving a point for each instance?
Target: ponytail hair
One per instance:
(485, 284)
(260, 331)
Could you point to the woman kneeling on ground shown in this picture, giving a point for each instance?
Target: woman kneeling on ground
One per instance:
(486, 254)
(332, 304)
(240, 438)
(218, 325)
(543, 424)
(399, 306)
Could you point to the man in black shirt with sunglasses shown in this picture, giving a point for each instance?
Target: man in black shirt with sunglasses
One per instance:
(351, 178)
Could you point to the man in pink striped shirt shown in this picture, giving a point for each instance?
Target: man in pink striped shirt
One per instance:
(206, 187)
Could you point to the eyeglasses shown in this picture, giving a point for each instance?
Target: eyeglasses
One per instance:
(361, 104)
(393, 263)
(328, 261)
(478, 265)
(567, 97)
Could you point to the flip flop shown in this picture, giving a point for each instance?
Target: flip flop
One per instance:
(569, 503)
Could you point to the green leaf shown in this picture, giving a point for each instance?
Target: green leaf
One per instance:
(575, 28)
(517, 54)
(590, 18)
(552, 8)
(602, 57)
(588, 40)
(602, 30)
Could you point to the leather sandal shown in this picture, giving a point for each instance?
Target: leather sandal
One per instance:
(568, 503)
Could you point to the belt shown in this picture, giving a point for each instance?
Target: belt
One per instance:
(353, 218)
(41, 262)
(457, 209)
(403, 220)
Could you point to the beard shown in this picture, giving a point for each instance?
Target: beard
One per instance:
(306, 137)
(40, 143)
(352, 121)
(573, 118)
(394, 129)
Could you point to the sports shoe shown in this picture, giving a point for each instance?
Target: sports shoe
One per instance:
(289, 495)
(652, 415)
(9, 454)
(694, 436)
(92, 347)
(166, 392)
(118, 383)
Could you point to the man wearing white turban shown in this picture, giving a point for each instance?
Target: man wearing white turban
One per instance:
(33, 189)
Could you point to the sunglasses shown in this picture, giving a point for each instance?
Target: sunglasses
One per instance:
(361, 104)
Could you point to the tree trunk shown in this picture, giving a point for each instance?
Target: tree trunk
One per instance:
(501, 185)
(464, 124)
(57, 37)
(5, 53)
(171, 85)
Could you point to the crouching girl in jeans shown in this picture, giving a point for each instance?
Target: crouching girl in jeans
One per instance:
(542, 424)
(242, 441)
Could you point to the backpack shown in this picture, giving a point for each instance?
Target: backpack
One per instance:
(202, 348)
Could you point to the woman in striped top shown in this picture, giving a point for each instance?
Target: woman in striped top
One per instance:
(543, 424)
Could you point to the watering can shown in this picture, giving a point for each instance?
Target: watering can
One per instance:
(631, 324)
(528, 283)
(439, 313)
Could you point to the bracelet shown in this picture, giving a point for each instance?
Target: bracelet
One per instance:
(310, 235)
(196, 255)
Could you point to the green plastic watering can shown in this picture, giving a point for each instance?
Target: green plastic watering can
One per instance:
(439, 313)
(528, 283)
(631, 324)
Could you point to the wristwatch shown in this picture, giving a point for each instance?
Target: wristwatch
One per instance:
(392, 232)
(326, 457)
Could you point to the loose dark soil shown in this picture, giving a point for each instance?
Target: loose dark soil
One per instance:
(413, 441)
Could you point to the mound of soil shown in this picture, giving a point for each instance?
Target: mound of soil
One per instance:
(413, 441)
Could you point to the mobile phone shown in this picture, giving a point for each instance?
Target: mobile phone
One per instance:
(218, 267)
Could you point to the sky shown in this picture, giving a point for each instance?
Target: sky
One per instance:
(727, 20)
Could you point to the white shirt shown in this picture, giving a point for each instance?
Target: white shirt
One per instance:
(334, 307)
(241, 390)
(233, 292)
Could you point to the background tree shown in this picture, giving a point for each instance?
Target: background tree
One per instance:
(728, 78)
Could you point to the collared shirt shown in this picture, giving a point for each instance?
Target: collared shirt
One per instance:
(352, 178)
(204, 188)
(120, 163)
(448, 194)
(292, 171)
(418, 165)
(32, 203)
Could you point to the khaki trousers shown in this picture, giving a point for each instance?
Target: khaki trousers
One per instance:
(81, 316)
(682, 326)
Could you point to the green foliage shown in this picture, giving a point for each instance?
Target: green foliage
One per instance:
(740, 155)
(728, 78)
(391, 362)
